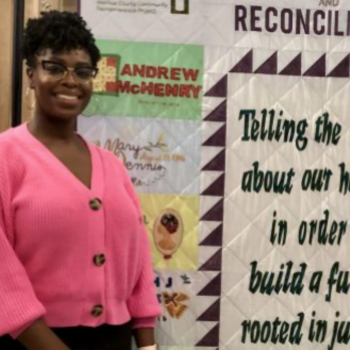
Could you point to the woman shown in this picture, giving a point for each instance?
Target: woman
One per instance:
(75, 265)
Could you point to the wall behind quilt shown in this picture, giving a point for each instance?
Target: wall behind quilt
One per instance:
(232, 118)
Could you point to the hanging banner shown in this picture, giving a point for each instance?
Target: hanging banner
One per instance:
(232, 120)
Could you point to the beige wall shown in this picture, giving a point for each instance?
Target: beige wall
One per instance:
(6, 25)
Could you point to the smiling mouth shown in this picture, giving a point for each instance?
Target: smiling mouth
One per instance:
(67, 97)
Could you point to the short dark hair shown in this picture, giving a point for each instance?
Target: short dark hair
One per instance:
(58, 31)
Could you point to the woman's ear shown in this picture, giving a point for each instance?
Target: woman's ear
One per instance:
(30, 75)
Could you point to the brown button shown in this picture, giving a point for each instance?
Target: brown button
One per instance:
(99, 259)
(97, 310)
(95, 204)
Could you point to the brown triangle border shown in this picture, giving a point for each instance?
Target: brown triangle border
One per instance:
(216, 212)
(269, 66)
(217, 188)
(318, 69)
(342, 70)
(294, 68)
(214, 239)
(212, 314)
(219, 114)
(211, 339)
(213, 288)
(245, 65)
(218, 163)
(218, 139)
(214, 263)
(219, 89)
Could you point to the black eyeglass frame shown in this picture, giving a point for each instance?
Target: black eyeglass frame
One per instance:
(94, 71)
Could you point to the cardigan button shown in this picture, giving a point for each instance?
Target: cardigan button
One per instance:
(95, 204)
(97, 310)
(99, 259)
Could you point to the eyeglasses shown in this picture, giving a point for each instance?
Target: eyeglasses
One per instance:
(58, 71)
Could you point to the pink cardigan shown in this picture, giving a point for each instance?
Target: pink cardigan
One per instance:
(70, 254)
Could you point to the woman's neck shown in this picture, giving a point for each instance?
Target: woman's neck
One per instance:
(53, 129)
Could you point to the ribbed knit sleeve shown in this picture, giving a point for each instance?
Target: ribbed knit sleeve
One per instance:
(19, 306)
(143, 304)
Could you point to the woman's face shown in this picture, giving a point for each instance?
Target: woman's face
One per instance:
(61, 94)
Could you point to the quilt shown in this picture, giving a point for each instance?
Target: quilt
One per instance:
(231, 118)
